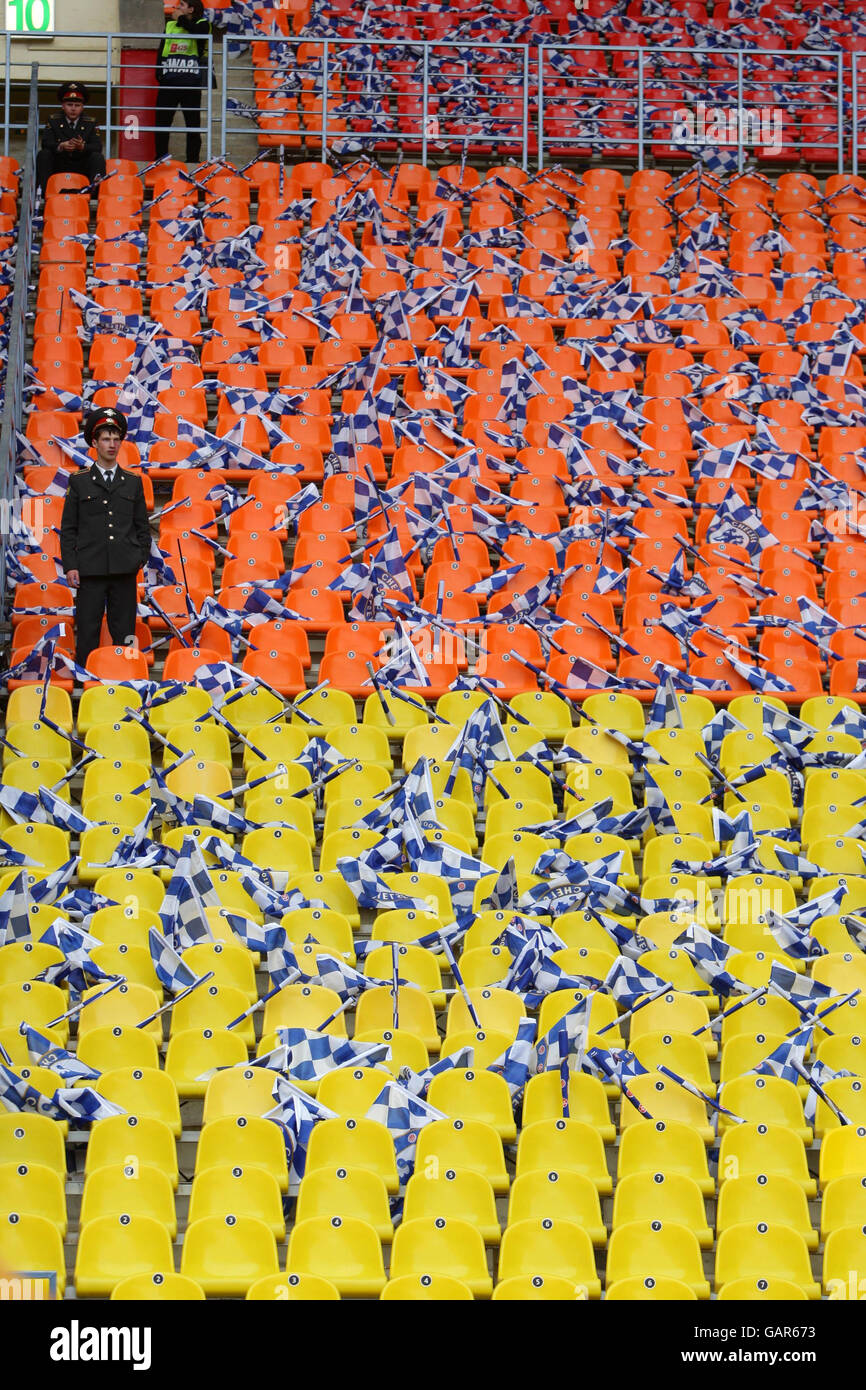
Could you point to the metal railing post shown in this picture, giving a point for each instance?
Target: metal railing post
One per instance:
(13, 400)
(640, 108)
(108, 112)
(855, 116)
(525, 159)
(7, 114)
(840, 112)
(540, 157)
(739, 111)
(425, 101)
(209, 109)
(224, 115)
(325, 103)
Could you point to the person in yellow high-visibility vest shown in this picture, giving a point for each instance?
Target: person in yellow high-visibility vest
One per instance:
(181, 72)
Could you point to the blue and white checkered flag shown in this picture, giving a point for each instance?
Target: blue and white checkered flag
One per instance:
(403, 1114)
(789, 984)
(170, 969)
(547, 1053)
(418, 1082)
(311, 1054)
(84, 1106)
(297, 1114)
(515, 1064)
(189, 892)
(15, 905)
(18, 1095)
(711, 958)
(782, 1059)
(45, 1053)
(628, 982)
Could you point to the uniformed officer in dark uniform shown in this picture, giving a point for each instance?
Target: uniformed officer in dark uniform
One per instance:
(70, 143)
(104, 537)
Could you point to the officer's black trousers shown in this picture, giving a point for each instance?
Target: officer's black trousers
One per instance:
(48, 162)
(111, 594)
(171, 96)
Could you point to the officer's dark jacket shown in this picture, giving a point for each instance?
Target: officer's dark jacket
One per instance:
(104, 530)
(59, 129)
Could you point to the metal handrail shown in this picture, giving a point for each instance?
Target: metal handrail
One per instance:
(828, 65)
(13, 401)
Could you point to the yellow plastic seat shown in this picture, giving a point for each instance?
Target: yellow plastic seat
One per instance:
(650, 1290)
(279, 742)
(662, 1249)
(133, 888)
(125, 1007)
(36, 1003)
(760, 1250)
(350, 1091)
(304, 1006)
(206, 740)
(343, 1250)
(566, 1196)
(34, 1190)
(665, 1147)
(844, 1272)
(404, 716)
(482, 966)
(761, 1290)
(279, 850)
(768, 1014)
(550, 1247)
(133, 1188)
(499, 1009)
(763, 1148)
(550, 714)
(406, 1049)
(353, 1143)
(602, 1011)
(232, 894)
(416, 964)
(24, 960)
(466, 1094)
(506, 816)
(193, 1054)
(843, 1203)
(231, 965)
(124, 926)
(523, 1288)
(665, 1100)
(225, 1255)
(440, 1245)
(524, 847)
(587, 1101)
(239, 1090)
(213, 1006)
(675, 1013)
(111, 737)
(293, 1288)
(243, 1191)
(680, 1052)
(244, 1140)
(768, 1100)
(330, 930)
(134, 962)
(375, 1011)
(457, 1195)
(462, 1145)
(111, 1248)
(157, 1288)
(842, 1152)
(121, 1140)
(36, 740)
(32, 1244)
(405, 925)
(29, 1138)
(564, 1146)
(422, 1288)
(108, 776)
(762, 1197)
(349, 1192)
(143, 1091)
(519, 781)
(662, 1197)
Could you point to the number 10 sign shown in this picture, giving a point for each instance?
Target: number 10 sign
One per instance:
(30, 16)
